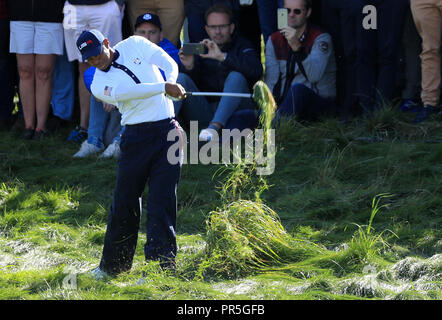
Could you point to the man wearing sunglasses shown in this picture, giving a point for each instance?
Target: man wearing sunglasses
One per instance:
(300, 66)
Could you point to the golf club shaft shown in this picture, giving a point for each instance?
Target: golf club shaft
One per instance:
(221, 94)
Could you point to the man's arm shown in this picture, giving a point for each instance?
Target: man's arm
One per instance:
(165, 62)
(171, 50)
(247, 62)
(272, 66)
(127, 91)
(123, 91)
(190, 65)
(155, 55)
(316, 62)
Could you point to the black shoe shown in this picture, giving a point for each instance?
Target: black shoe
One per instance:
(425, 113)
(29, 134)
(39, 134)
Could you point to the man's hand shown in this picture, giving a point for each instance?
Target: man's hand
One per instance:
(214, 52)
(175, 90)
(188, 60)
(292, 35)
(108, 107)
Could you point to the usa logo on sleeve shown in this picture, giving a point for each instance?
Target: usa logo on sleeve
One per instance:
(107, 91)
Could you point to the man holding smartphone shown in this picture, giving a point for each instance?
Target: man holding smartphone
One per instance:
(231, 64)
(300, 66)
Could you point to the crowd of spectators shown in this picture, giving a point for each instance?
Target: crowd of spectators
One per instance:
(341, 58)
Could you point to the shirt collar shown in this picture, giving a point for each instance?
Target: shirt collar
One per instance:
(303, 37)
(114, 58)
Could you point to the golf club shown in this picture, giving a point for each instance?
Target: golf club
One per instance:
(215, 94)
(220, 94)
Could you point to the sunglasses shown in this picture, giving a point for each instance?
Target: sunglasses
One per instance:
(295, 11)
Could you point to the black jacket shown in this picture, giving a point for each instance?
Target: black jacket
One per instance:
(210, 74)
(36, 10)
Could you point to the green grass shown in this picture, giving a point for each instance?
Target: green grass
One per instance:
(319, 227)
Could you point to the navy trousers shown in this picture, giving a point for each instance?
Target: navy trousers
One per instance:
(378, 52)
(339, 17)
(305, 104)
(143, 159)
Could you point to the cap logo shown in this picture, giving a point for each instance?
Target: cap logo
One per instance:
(147, 17)
(84, 44)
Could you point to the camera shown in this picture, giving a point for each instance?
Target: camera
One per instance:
(194, 48)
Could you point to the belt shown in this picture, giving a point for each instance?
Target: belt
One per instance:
(149, 123)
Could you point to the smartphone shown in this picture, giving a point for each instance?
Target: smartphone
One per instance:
(282, 18)
(194, 48)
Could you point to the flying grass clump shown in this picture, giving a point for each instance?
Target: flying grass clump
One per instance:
(240, 179)
(247, 236)
(266, 103)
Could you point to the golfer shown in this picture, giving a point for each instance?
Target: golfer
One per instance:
(128, 77)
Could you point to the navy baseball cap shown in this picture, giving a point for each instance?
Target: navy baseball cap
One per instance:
(90, 43)
(148, 17)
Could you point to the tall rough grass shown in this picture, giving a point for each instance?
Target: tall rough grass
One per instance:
(366, 244)
(247, 236)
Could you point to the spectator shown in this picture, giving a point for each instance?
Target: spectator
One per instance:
(149, 26)
(171, 13)
(339, 18)
(378, 52)
(248, 25)
(230, 65)
(245, 18)
(194, 10)
(411, 46)
(7, 68)
(300, 66)
(427, 15)
(103, 15)
(36, 38)
(267, 11)
(63, 93)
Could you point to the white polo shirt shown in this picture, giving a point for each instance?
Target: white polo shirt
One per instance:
(143, 102)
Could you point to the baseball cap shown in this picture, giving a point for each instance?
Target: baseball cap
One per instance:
(90, 43)
(148, 17)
